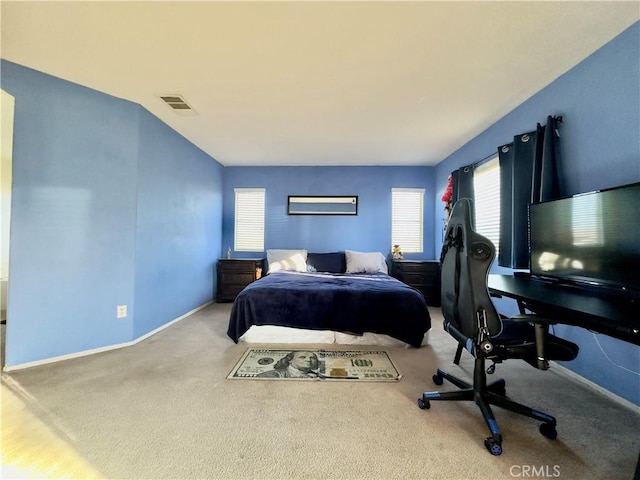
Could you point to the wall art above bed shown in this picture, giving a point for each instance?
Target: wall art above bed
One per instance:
(322, 205)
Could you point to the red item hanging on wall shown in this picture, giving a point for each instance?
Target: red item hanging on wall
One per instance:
(447, 197)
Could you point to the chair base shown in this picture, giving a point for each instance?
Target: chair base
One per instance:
(456, 359)
(484, 396)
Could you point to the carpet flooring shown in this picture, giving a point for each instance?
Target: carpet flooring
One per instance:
(163, 409)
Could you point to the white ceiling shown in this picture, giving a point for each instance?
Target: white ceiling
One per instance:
(316, 83)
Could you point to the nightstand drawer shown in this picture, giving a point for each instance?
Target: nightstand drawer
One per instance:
(418, 267)
(239, 267)
(237, 277)
(414, 278)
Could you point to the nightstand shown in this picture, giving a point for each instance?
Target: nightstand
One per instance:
(236, 273)
(424, 275)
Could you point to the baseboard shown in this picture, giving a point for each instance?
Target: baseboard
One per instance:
(167, 325)
(564, 371)
(84, 353)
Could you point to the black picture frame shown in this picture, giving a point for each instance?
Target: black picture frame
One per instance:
(322, 205)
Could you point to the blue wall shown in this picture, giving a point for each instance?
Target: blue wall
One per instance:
(178, 228)
(89, 173)
(600, 102)
(370, 230)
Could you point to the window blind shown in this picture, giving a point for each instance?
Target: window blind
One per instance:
(249, 220)
(407, 206)
(486, 183)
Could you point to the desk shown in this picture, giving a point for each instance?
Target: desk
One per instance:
(572, 305)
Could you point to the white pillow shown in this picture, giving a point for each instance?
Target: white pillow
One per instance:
(295, 260)
(365, 262)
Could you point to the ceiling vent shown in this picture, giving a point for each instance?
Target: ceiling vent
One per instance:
(178, 104)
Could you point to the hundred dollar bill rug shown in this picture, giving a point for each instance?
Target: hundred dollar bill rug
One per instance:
(313, 364)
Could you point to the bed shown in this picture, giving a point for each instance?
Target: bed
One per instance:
(344, 297)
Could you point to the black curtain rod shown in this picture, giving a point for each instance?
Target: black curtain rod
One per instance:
(485, 159)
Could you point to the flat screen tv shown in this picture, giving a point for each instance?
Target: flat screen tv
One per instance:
(593, 238)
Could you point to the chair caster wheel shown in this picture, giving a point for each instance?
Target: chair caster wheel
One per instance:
(437, 379)
(549, 431)
(493, 447)
(424, 404)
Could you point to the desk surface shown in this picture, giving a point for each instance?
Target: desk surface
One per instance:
(571, 305)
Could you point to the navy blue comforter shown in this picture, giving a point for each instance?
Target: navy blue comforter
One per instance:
(348, 303)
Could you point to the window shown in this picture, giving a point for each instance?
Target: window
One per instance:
(407, 205)
(486, 185)
(249, 218)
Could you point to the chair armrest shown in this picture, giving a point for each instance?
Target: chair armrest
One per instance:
(541, 326)
(533, 318)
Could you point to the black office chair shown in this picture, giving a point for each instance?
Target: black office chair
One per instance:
(471, 318)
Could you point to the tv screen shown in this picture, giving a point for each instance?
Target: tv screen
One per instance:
(592, 238)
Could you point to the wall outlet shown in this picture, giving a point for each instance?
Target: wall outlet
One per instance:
(121, 311)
